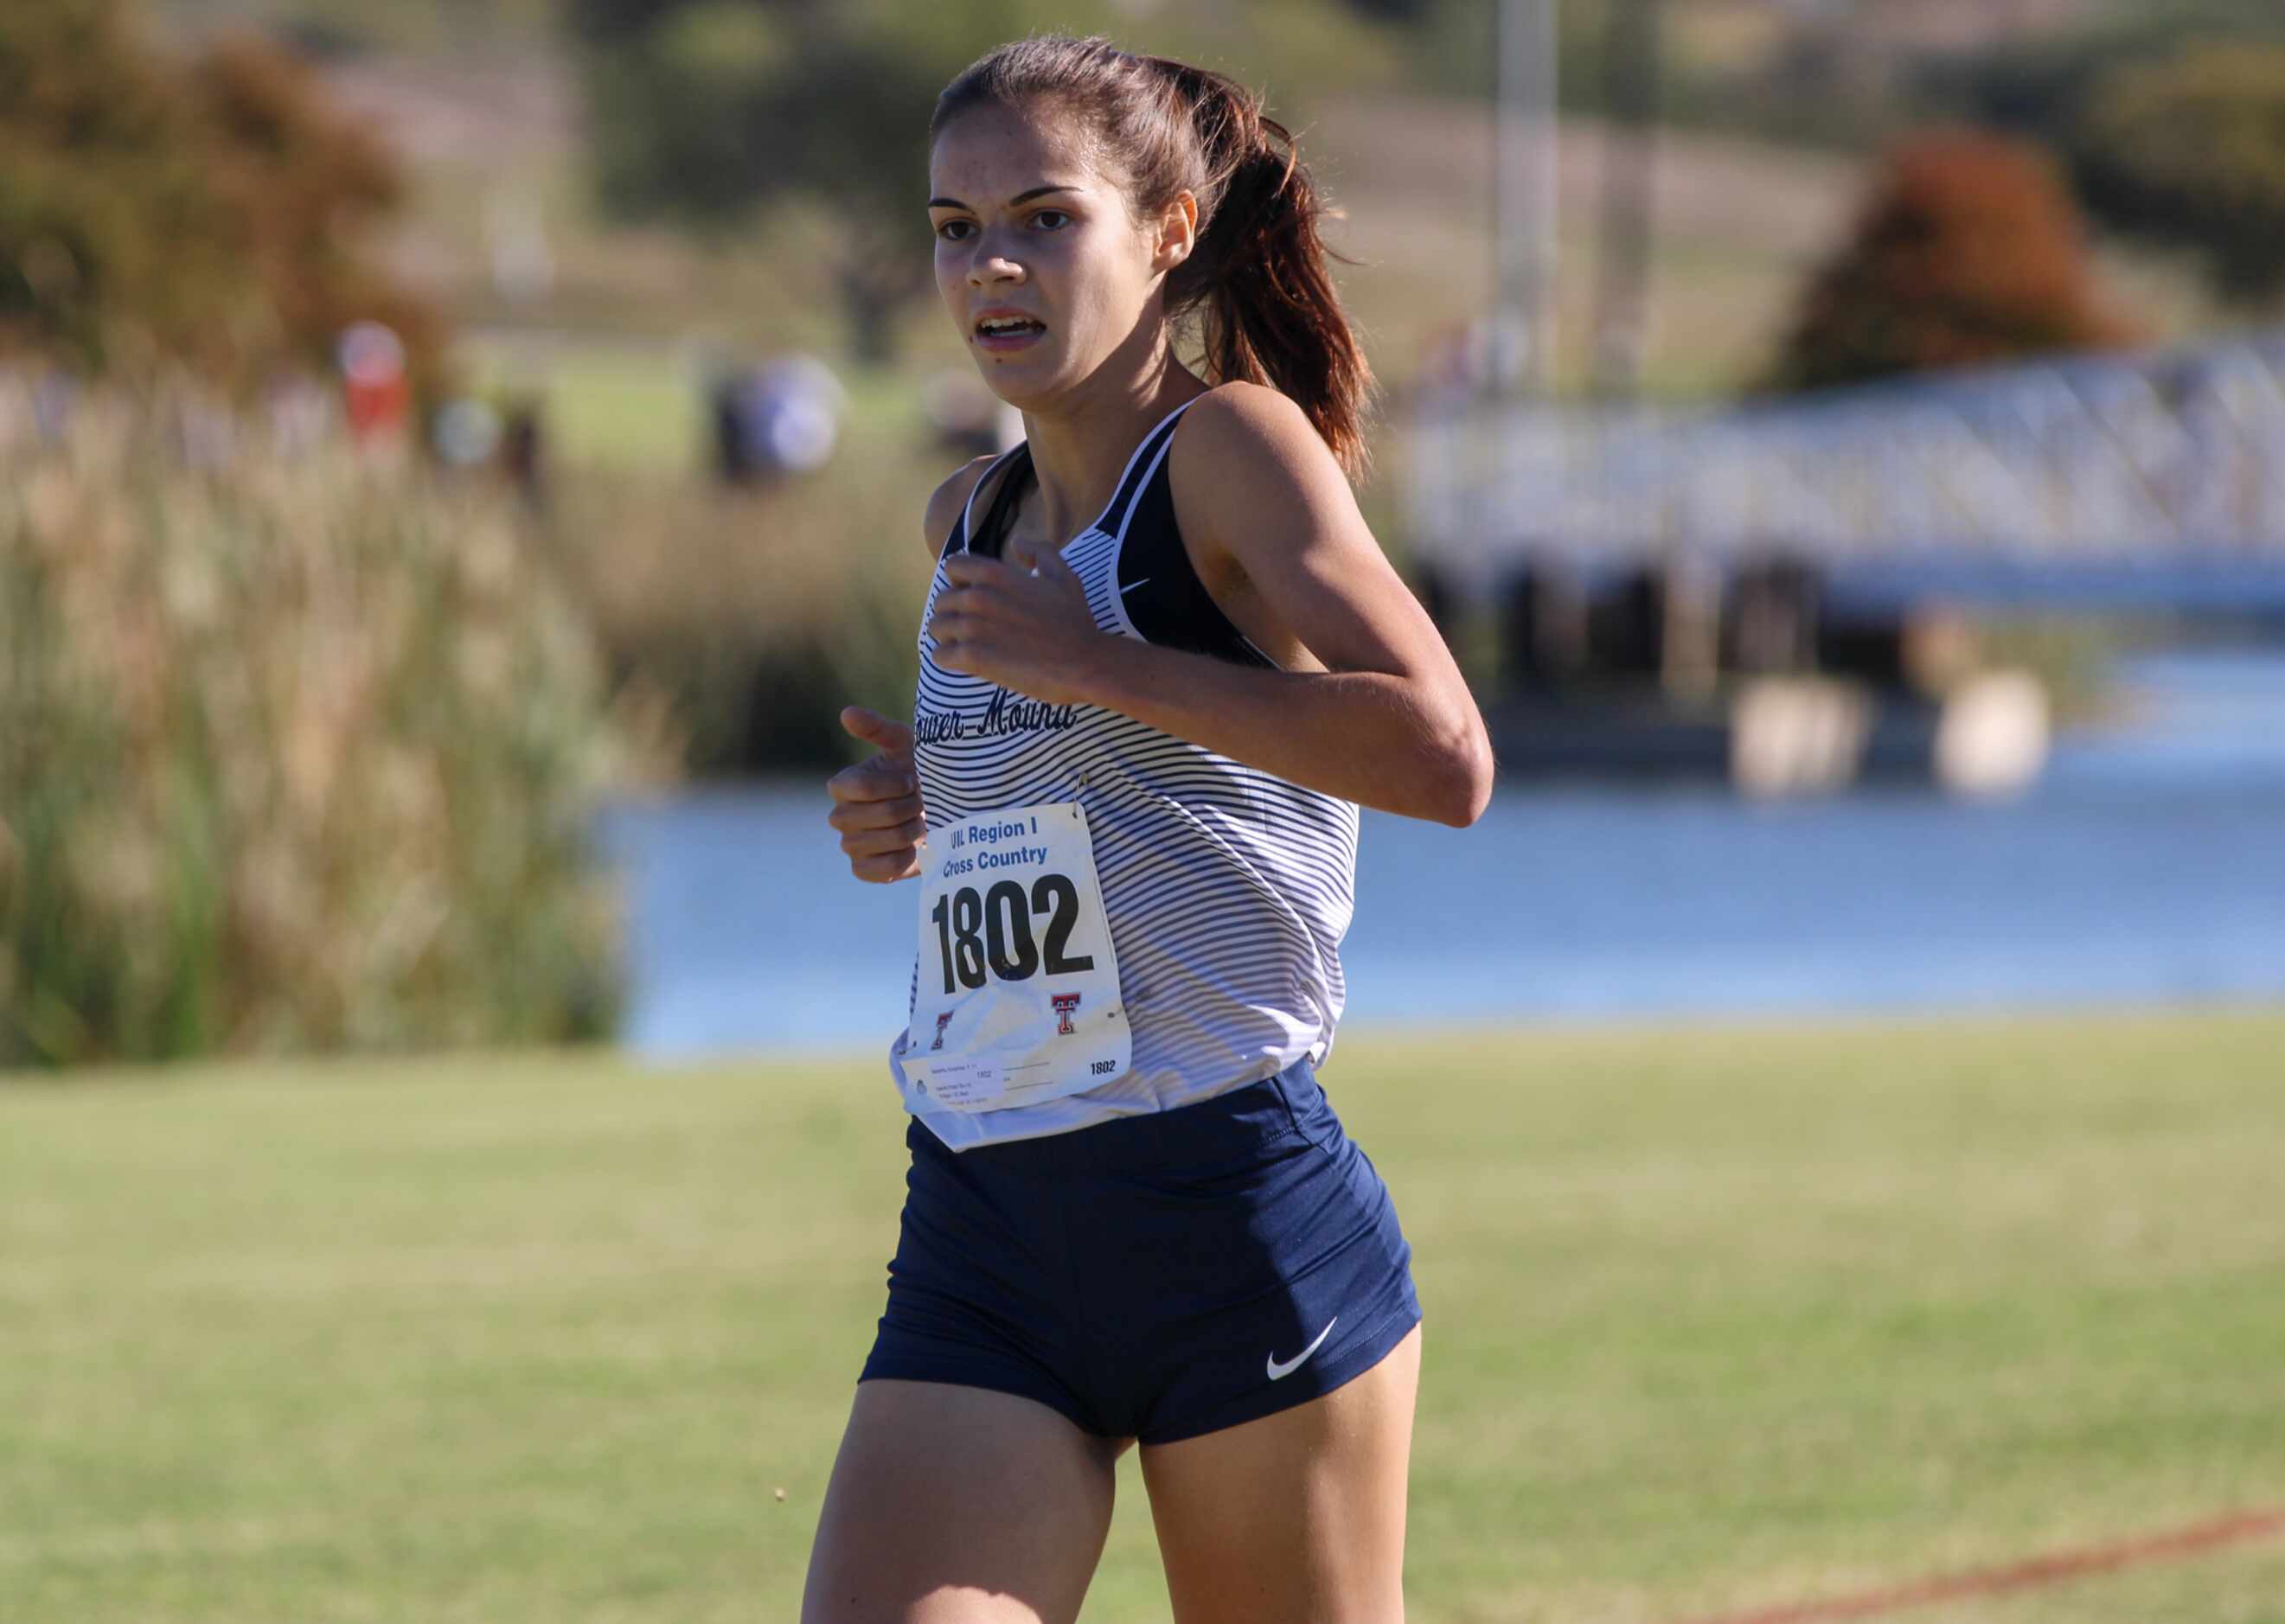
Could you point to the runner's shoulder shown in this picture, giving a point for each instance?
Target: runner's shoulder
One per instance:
(1248, 461)
(1249, 440)
(944, 507)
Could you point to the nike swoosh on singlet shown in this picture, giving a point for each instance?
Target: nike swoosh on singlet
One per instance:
(1277, 1370)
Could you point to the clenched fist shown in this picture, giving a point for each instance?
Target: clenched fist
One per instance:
(876, 804)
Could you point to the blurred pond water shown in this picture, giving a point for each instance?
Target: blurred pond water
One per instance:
(2148, 864)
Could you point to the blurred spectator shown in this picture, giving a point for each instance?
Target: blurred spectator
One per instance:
(524, 451)
(374, 388)
(466, 434)
(783, 418)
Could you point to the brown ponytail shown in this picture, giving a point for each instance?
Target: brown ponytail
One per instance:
(1257, 285)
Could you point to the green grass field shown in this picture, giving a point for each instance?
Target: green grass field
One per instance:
(1719, 1318)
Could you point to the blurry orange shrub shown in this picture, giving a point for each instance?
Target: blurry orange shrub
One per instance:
(1970, 252)
(211, 213)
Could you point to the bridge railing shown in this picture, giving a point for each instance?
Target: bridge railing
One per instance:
(2120, 458)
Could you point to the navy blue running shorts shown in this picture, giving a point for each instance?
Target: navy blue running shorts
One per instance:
(1152, 1277)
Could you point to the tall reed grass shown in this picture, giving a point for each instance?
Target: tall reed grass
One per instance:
(295, 753)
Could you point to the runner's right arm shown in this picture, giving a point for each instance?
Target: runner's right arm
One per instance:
(876, 804)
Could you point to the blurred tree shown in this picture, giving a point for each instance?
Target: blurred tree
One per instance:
(111, 238)
(1971, 251)
(211, 213)
(710, 111)
(2102, 96)
(348, 28)
(2039, 86)
(717, 113)
(604, 22)
(2191, 151)
(2035, 89)
(307, 188)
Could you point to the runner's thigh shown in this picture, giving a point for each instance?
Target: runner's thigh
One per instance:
(957, 1505)
(1298, 1517)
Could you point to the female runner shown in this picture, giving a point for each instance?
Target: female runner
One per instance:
(1163, 662)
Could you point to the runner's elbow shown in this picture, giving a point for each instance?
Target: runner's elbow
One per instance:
(1464, 769)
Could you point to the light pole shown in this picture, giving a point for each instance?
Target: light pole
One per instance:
(1630, 88)
(1525, 206)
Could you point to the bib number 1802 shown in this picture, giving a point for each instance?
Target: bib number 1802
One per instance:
(993, 931)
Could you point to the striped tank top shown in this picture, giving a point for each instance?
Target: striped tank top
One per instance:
(1226, 888)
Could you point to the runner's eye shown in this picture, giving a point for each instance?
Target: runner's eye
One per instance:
(952, 230)
(1051, 219)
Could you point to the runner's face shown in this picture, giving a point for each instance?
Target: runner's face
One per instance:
(1035, 240)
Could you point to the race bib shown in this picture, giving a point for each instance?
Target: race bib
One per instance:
(1018, 993)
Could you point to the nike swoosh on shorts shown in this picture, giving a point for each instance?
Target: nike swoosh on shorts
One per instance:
(1277, 1370)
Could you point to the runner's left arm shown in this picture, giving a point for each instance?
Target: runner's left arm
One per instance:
(1385, 718)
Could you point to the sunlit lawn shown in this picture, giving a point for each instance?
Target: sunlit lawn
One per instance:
(1717, 1317)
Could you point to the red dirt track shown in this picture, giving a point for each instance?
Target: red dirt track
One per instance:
(2054, 1568)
